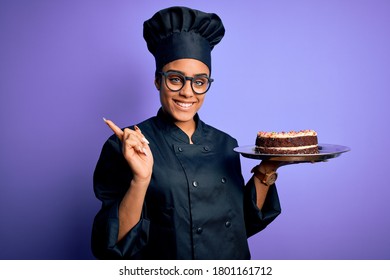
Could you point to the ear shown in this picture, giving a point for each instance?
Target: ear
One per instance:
(157, 83)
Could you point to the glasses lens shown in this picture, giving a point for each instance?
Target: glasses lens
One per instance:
(200, 84)
(174, 81)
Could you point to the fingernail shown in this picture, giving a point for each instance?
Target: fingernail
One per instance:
(104, 119)
(145, 152)
(142, 150)
(137, 128)
(145, 140)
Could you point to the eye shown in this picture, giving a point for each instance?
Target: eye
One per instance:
(175, 79)
(200, 81)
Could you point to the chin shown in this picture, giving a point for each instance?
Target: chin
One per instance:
(184, 116)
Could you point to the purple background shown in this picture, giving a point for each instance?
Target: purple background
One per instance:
(282, 65)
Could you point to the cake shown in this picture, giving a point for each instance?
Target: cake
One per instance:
(292, 142)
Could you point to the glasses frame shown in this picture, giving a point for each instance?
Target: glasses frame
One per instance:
(185, 78)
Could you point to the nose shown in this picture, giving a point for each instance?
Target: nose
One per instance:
(187, 89)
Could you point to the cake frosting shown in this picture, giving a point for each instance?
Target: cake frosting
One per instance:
(291, 142)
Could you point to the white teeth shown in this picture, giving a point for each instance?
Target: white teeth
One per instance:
(184, 105)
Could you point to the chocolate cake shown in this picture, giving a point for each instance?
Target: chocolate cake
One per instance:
(292, 142)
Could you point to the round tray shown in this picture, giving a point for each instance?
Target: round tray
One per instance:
(326, 151)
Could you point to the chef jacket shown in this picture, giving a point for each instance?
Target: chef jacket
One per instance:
(197, 205)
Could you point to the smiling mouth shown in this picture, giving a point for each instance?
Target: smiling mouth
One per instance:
(184, 105)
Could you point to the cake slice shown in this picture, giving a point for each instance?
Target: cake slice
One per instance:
(292, 142)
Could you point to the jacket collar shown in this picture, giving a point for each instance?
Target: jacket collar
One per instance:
(165, 122)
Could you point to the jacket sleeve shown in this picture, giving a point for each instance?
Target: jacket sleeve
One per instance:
(111, 180)
(256, 219)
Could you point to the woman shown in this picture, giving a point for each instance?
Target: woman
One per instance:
(171, 187)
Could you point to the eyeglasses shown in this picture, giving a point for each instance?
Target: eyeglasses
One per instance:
(175, 81)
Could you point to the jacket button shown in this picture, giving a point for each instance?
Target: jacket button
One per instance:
(195, 184)
(223, 180)
(206, 148)
(228, 224)
(180, 149)
(199, 230)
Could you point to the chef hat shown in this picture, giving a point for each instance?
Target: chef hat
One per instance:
(180, 32)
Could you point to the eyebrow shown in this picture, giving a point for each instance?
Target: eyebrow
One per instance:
(177, 71)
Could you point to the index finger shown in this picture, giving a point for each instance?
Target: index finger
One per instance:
(118, 132)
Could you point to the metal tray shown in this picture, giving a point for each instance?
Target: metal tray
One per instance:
(326, 151)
